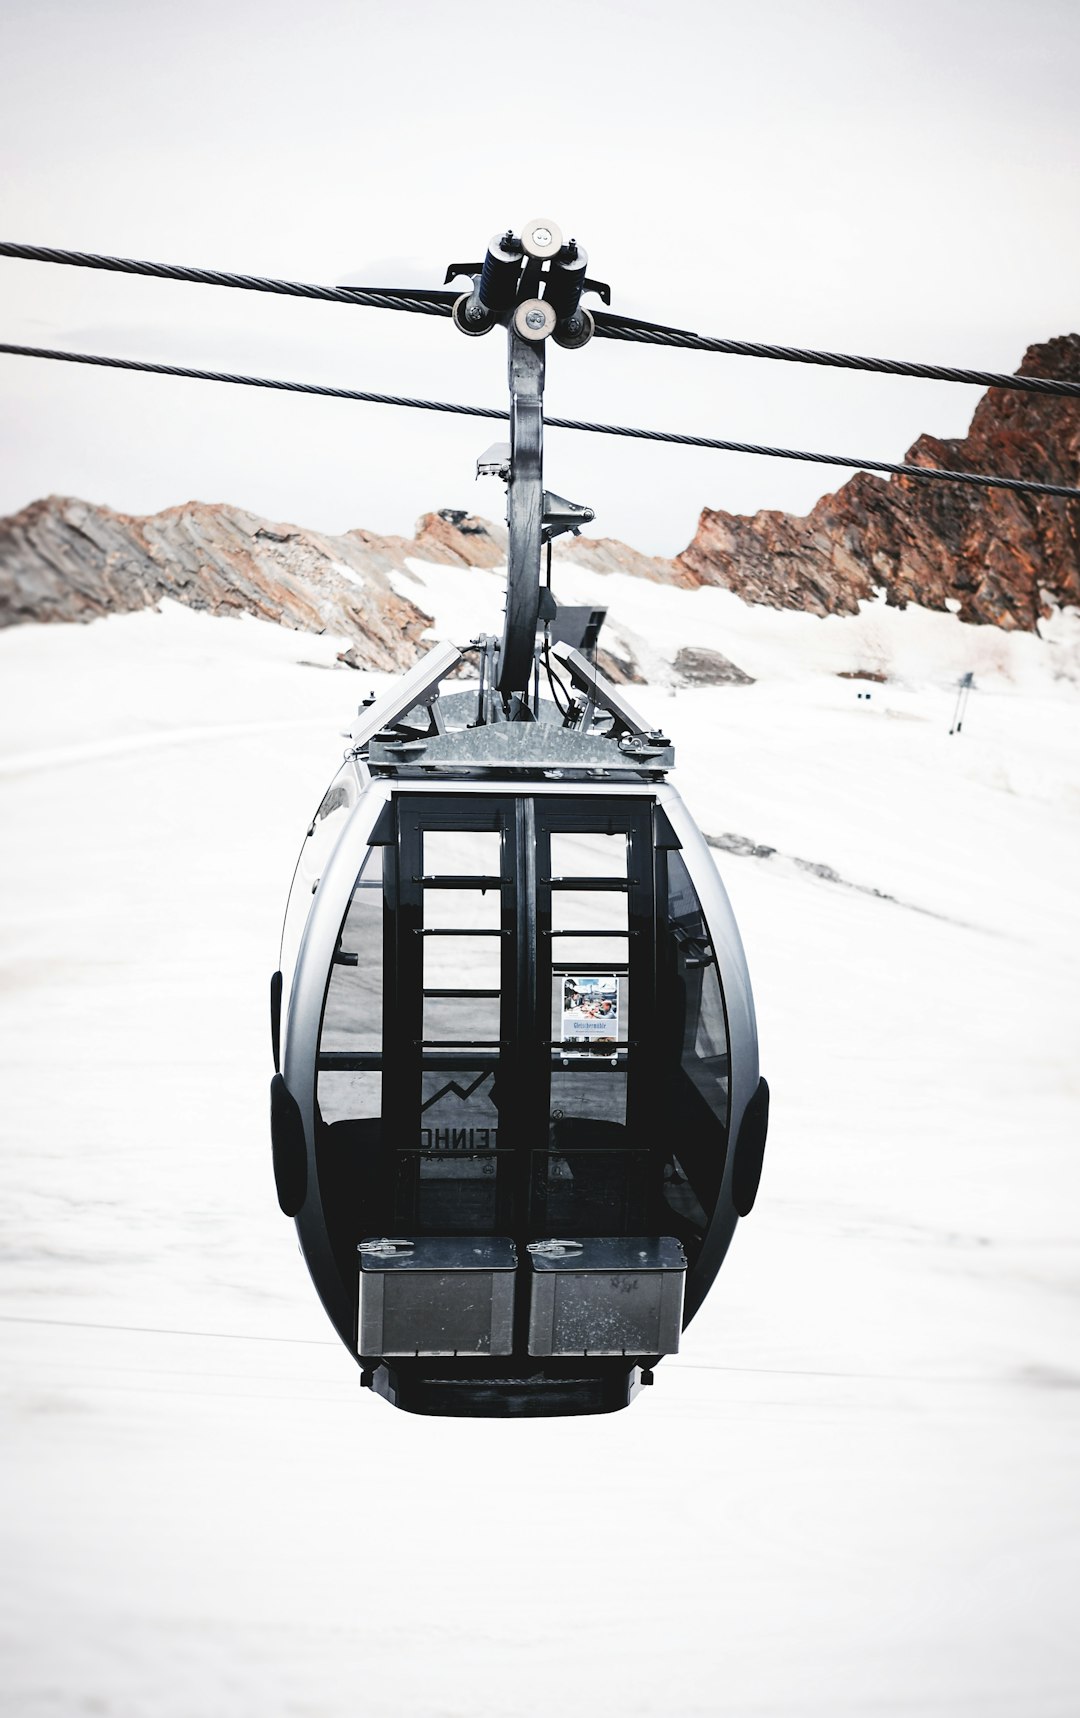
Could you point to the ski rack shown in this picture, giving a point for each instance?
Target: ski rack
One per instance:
(416, 730)
(419, 685)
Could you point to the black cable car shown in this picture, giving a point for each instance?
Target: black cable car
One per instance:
(517, 1108)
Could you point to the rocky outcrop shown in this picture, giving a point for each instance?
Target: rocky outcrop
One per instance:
(608, 555)
(462, 539)
(991, 555)
(988, 554)
(695, 665)
(459, 539)
(65, 560)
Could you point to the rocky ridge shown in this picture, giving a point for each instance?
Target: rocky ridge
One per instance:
(992, 556)
(66, 560)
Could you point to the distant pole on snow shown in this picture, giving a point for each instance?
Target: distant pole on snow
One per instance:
(963, 690)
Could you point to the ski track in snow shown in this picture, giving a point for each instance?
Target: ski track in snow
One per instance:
(855, 1490)
(744, 848)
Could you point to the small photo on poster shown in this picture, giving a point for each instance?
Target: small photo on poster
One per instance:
(591, 1010)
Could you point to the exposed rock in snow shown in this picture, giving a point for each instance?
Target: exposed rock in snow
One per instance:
(65, 560)
(989, 555)
(607, 555)
(698, 666)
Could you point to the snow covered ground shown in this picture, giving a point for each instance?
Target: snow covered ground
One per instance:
(856, 1489)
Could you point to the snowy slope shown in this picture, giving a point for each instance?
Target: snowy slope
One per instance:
(856, 1489)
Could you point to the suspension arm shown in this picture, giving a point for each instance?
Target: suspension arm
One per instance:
(524, 511)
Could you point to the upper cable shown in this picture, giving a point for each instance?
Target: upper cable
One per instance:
(434, 301)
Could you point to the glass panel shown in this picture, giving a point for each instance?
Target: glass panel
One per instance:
(591, 954)
(458, 1110)
(319, 843)
(462, 963)
(462, 853)
(697, 1101)
(462, 1019)
(587, 855)
(681, 1198)
(457, 1193)
(710, 1043)
(584, 1094)
(588, 910)
(349, 1096)
(459, 909)
(448, 1192)
(706, 1060)
(353, 1016)
(704, 1029)
(597, 1192)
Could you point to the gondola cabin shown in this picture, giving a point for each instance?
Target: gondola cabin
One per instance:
(518, 1109)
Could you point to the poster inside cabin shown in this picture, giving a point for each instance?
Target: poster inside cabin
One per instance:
(590, 1009)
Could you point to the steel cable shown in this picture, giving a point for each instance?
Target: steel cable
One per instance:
(423, 301)
(609, 327)
(924, 473)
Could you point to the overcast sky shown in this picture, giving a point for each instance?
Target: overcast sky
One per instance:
(896, 180)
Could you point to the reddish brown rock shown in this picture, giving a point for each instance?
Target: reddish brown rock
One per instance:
(997, 555)
(65, 560)
(608, 555)
(460, 539)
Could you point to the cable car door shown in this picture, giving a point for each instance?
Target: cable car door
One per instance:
(517, 931)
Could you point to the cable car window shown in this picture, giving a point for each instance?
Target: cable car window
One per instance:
(699, 997)
(600, 1191)
(319, 843)
(592, 954)
(462, 853)
(462, 962)
(698, 1100)
(587, 854)
(588, 910)
(458, 1110)
(352, 1018)
(462, 909)
(705, 1056)
(450, 1183)
(586, 1093)
(349, 1095)
(453, 1192)
(470, 1018)
(710, 1044)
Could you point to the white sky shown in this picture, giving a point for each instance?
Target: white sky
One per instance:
(897, 181)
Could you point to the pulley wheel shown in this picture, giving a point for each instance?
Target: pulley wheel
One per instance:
(484, 322)
(534, 320)
(578, 331)
(541, 239)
